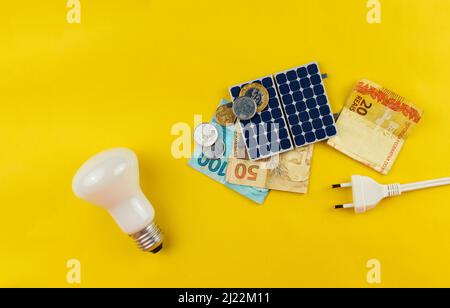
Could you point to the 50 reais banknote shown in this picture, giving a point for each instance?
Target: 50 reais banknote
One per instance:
(216, 169)
(286, 172)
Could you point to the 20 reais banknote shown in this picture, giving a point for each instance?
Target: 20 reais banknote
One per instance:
(373, 125)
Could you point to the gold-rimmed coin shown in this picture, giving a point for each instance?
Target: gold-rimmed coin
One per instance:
(258, 93)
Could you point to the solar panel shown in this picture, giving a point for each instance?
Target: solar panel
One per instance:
(267, 133)
(301, 116)
(306, 104)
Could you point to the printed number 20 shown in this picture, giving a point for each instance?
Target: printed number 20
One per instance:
(242, 172)
(363, 109)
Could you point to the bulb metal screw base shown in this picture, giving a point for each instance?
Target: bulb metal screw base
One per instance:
(149, 239)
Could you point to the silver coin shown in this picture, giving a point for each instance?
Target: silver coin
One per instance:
(206, 134)
(216, 151)
(244, 108)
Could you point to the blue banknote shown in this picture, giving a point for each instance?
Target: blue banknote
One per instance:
(217, 169)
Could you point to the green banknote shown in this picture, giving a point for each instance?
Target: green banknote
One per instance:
(217, 169)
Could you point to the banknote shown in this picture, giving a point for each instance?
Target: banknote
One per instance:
(216, 169)
(374, 124)
(287, 171)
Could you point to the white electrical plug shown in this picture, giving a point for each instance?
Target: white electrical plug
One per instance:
(367, 193)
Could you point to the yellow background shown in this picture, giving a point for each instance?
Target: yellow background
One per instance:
(134, 68)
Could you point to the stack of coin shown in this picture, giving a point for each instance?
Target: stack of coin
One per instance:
(216, 151)
(253, 98)
(258, 93)
(244, 108)
(207, 136)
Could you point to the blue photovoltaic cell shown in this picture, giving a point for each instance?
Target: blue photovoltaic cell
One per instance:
(298, 113)
(267, 133)
(306, 104)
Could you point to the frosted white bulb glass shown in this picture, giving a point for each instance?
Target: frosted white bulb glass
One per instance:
(111, 180)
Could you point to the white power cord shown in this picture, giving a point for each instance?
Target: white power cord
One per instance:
(367, 193)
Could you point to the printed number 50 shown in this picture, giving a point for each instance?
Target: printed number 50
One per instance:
(242, 172)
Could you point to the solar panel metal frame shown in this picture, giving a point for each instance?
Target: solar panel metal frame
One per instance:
(302, 108)
(274, 103)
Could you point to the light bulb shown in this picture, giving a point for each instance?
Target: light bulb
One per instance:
(111, 180)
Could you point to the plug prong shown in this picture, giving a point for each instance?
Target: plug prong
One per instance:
(344, 185)
(344, 206)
